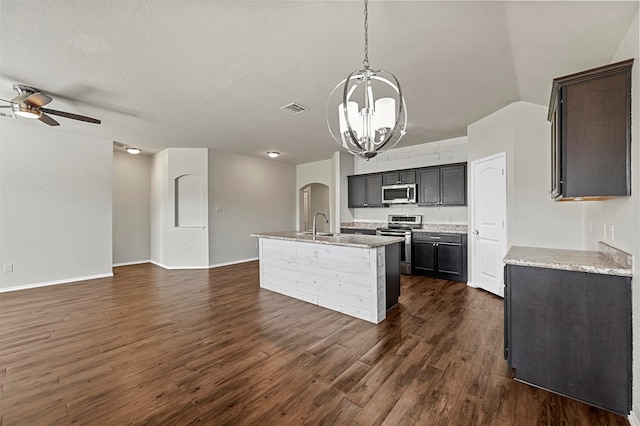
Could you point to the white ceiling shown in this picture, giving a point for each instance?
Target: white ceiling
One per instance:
(214, 73)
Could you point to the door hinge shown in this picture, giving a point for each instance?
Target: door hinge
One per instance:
(502, 172)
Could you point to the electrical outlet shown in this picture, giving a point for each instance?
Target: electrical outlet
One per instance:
(611, 232)
(256, 245)
(8, 268)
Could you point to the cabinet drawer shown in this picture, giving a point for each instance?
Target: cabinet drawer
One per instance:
(437, 237)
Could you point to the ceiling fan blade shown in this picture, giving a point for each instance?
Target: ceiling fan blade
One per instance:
(48, 120)
(71, 116)
(38, 99)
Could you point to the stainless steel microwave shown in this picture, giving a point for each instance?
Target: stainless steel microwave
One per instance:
(404, 193)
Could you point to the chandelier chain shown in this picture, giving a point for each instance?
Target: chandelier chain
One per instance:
(365, 62)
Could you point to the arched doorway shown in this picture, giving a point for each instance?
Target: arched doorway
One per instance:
(314, 198)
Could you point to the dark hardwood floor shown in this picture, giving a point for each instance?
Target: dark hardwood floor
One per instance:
(158, 347)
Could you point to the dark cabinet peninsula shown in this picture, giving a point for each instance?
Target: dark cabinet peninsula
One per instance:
(568, 330)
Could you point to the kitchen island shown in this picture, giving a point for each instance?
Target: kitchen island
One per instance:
(358, 275)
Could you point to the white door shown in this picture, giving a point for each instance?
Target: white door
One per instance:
(488, 227)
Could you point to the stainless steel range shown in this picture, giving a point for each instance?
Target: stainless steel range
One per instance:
(401, 225)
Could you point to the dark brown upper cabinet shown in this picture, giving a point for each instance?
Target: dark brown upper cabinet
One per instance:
(365, 190)
(443, 185)
(399, 177)
(590, 115)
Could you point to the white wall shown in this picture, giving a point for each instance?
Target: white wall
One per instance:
(533, 218)
(159, 205)
(56, 205)
(624, 213)
(247, 195)
(423, 155)
(178, 246)
(131, 208)
(410, 157)
(342, 167)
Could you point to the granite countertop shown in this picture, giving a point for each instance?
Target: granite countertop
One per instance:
(363, 225)
(449, 228)
(446, 228)
(595, 262)
(345, 240)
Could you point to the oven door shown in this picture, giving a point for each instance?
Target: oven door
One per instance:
(405, 247)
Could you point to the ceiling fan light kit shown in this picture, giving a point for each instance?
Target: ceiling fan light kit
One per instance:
(373, 125)
(29, 104)
(26, 111)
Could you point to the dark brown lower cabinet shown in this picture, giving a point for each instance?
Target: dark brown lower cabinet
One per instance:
(570, 333)
(439, 255)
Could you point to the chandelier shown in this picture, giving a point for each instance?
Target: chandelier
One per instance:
(363, 124)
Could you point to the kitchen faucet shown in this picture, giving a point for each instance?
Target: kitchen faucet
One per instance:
(314, 221)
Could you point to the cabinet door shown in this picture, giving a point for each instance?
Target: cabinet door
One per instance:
(402, 176)
(454, 185)
(595, 117)
(374, 190)
(424, 257)
(429, 186)
(390, 178)
(449, 257)
(357, 194)
(408, 176)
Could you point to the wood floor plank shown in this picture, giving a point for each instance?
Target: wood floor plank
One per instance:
(164, 347)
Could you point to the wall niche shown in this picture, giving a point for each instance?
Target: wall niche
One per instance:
(188, 201)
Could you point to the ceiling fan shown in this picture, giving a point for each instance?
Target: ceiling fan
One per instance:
(30, 101)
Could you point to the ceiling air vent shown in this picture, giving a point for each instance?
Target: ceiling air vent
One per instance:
(294, 108)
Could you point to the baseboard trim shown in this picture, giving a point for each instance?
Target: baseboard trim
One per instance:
(633, 419)
(56, 282)
(138, 262)
(234, 262)
(177, 267)
(470, 284)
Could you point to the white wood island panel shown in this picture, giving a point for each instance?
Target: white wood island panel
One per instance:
(344, 278)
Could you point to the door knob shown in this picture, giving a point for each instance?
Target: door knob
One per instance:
(476, 232)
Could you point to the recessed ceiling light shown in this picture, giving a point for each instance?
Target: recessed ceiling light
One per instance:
(273, 154)
(133, 151)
